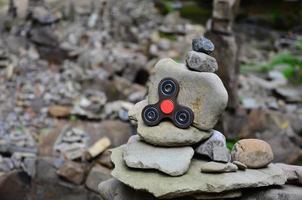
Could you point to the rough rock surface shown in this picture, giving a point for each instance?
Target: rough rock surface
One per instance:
(173, 161)
(216, 167)
(166, 134)
(97, 175)
(203, 45)
(240, 165)
(215, 148)
(204, 92)
(113, 189)
(223, 195)
(193, 181)
(286, 192)
(293, 172)
(201, 62)
(253, 153)
(72, 171)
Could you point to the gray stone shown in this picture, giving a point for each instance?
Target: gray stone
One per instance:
(215, 148)
(166, 134)
(201, 62)
(222, 195)
(163, 186)
(113, 189)
(203, 92)
(293, 172)
(253, 153)
(172, 161)
(203, 45)
(240, 165)
(216, 167)
(286, 192)
(97, 175)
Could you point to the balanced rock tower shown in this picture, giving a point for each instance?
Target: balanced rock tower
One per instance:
(176, 154)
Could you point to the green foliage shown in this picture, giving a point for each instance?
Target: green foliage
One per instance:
(73, 118)
(289, 63)
(167, 6)
(168, 36)
(230, 143)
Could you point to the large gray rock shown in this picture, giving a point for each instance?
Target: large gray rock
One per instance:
(216, 167)
(203, 92)
(166, 134)
(113, 189)
(286, 192)
(163, 186)
(173, 161)
(253, 153)
(201, 62)
(215, 148)
(116, 190)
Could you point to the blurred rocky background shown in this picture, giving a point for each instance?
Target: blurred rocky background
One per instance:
(71, 69)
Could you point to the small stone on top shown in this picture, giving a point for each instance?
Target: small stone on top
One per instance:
(203, 45)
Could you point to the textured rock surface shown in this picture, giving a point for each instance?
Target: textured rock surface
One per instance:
(286, 192)
(113, 189)
(253, 153)
(201, 62)
(223, 195)
(240, 165)
(193, 181)
(293, 172)
(72, 171)
(172, 161)
(203, 92)
(215, 167)
(203, 45)
(215, 148)
(97, 175)
(166, 134)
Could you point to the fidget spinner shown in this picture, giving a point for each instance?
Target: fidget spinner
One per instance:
(167, 107)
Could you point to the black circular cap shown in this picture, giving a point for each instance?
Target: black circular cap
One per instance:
(150, 115)
(183, 118)
(168, 87)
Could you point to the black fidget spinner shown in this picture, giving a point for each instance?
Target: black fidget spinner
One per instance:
(167, 107)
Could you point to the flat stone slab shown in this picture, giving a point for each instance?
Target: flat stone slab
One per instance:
(163, 186)
(203, 92)
(172, 161)
(166, 134)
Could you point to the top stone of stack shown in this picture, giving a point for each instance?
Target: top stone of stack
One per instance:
(203, 45)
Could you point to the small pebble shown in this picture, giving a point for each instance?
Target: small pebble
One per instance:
(203, 45)
(240, 165)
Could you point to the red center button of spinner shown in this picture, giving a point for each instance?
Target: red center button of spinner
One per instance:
(167, 106)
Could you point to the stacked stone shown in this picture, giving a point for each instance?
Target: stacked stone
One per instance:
(159, 160)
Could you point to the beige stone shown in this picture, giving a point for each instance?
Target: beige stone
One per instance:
(253, 153)
(99, 147)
